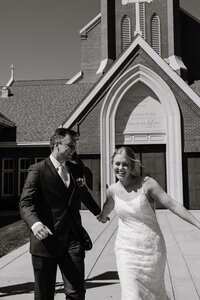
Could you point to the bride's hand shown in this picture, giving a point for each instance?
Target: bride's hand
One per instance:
(102, 220)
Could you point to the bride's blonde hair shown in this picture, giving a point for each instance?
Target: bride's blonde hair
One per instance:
(129, 154)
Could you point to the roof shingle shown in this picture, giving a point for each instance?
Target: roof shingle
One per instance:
(38, 109)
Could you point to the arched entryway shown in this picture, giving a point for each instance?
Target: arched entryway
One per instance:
(137, 87)
(141, 124)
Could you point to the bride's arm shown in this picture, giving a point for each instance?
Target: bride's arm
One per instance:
(107, 207)
(157, 193)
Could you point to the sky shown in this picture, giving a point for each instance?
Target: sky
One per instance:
(41, 37)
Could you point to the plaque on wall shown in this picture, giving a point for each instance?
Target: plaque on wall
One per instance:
(147, 117)
(145, 123)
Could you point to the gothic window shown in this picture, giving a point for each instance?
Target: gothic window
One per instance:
(125, 32)
(155, 34)
(142, 18)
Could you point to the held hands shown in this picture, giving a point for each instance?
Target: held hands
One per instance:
(102, 219)
(41, 231)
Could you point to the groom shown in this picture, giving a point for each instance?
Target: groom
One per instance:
(50, 204)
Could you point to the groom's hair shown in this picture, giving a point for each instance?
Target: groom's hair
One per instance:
(60, 133)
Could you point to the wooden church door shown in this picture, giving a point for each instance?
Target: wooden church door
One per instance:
(152, 158)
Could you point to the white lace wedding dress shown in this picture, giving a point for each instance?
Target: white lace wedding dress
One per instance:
(140, 250)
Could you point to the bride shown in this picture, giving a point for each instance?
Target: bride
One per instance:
(139, 247)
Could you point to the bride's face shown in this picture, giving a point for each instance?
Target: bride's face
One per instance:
(121, 167)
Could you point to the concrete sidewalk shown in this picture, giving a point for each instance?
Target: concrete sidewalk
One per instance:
(182, 275)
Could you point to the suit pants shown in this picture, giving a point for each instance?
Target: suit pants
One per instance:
(71, 265)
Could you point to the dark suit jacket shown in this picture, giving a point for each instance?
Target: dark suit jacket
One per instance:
(45, 198)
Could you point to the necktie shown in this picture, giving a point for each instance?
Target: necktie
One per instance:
(64, 175)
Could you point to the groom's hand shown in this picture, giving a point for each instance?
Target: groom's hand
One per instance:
(41, 231)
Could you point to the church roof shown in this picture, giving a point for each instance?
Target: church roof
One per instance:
(4, 121)
(38, 107)
(39, 82)
(196, 87)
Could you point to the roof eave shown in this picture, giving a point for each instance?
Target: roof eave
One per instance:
(24, 144)
(6, 123)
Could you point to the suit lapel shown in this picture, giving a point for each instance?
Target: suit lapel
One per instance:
(73, 189)
(57, 181)
(59, 184)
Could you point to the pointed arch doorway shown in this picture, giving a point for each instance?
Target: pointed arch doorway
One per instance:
(140, 123)
(141, 110)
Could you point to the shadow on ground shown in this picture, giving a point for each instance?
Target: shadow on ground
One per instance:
(17, 289)
(103, 279)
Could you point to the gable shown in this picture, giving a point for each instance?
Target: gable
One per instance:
(121, 64)
(140, 53)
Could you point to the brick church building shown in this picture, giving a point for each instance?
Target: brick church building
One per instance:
(139, 85)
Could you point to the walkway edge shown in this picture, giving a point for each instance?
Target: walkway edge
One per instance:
(10, 257)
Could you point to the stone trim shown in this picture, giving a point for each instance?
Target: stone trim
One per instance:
(173, 132)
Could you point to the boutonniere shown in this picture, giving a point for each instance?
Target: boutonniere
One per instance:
(80, 182)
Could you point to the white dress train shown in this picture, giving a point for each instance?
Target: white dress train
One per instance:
(140, 250)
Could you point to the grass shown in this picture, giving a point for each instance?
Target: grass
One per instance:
(13, 233)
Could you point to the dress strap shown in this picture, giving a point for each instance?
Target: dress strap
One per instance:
(145, 179)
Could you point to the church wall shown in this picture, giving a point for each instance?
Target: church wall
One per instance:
(190, 123)
(177, 28)
(89, 142)
(88, 148)
(108, 29)
(158, 7)
(91, 54)
(190, 31)
(190, 112)
(31, 155)
(122, 10)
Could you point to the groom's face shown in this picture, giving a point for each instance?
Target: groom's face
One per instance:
(66, 148)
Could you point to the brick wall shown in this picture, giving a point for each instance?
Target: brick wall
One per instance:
(159, 7)
(91, 54)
